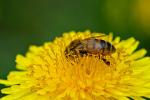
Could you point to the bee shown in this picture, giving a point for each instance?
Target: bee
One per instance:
(90, 46)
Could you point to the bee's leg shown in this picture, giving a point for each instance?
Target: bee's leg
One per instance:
(99, 56)
(81, 52)
(107, 62)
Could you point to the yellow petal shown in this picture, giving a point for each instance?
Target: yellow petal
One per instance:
(138, 54)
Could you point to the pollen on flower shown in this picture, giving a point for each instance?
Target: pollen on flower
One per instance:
(48, 73)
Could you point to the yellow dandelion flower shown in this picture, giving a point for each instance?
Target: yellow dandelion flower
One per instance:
(45, 72)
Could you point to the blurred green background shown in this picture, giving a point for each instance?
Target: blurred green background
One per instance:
(27, 22)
